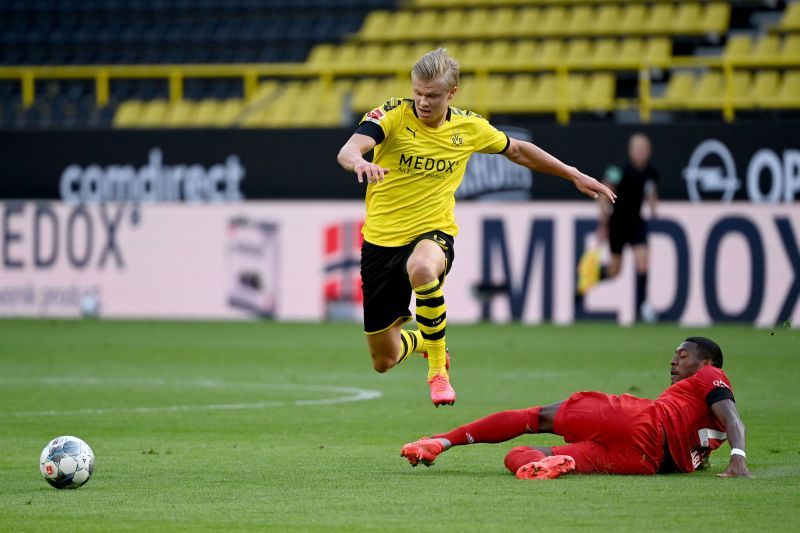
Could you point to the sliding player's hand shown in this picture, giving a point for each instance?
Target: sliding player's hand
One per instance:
(736, 468)
(372, 172)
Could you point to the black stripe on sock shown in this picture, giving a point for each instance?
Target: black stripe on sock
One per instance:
(405, 344)
(432, 302)
(414, 342)
(429, 291)
(431, 322)
(433, 336)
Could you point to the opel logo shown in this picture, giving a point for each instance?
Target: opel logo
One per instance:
(712, 178)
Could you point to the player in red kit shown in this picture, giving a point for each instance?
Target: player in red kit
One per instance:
(618, 434)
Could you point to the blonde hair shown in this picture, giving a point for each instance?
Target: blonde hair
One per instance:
(437, 65)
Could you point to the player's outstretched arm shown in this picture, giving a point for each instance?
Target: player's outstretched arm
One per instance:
(351, 157)
(728, 416)
(531, 156)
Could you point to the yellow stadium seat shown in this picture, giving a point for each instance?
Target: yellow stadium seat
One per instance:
(127, 114)
(205, 112)
(716, 18)
(347, 56)
(765, 87)
(580, 21)
(791, 18)
(767, 48)
(550, 53)
(606, 52)
(738, 47)
(451, 22)
(474, 24)
(634, 20)
(677, 94)
(467, 95)
(501, 21)
(455, 49)
(372, 54)
(599, 92)
(520, 90)
(661, 19)
(524, 54)
(658, 51)
(322, 55)
(375, 25)
(179, 114)
(687, 19)
(631, 51)
(791, 47)
(742, 90)
(426, 25)
(579, 52)
(399, 25)
(709, 91)
(553, 21)
(153, 114)
(789, 93)
(544, 99)
(398, 55)
(607, 20)
(528, 24)
(228, 112)
(473, 54)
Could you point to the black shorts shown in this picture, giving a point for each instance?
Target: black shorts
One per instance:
(622, 232)
(384, 280)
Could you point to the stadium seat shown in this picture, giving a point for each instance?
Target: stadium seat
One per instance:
(607, 20)
(678, 91)
(375, 25)
(658, 51)
(716, 18)
(766, 49)
(599, 92)
(580, 21)
(634, 19)
(528, 24)
(790, 50)
(687, 19)
(788, 96)
(426, 25)
(631, 51)
(524, 54)
(553, 21)
(738, 47)
(451, 23)
(578, 52)
(708, 92)
(765, 87)
(502, 20)
(791, 18)
(474, 23)
(127, 114)
(606, 52)
(520, 90)
(550, 53)
(660, 20)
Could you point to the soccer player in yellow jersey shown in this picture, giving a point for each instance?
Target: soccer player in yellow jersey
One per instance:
(421, 150)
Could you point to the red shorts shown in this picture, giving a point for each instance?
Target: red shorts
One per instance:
(610, 434)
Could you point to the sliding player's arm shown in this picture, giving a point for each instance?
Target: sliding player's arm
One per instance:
(728, 416)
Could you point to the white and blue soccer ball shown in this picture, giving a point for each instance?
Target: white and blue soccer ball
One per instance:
(66, 462)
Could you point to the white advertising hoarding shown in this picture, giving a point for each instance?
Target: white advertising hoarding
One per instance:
(299, 261)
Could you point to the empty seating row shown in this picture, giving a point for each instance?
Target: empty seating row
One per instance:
(763, 89)
(605, 53)
(766, 49)
(489, 3)
(687, 18)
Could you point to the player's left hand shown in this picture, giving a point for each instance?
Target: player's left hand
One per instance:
(736, 468)
(591, 187)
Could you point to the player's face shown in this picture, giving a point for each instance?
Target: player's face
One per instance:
(431, 100)
(639, 151)
(686, 362)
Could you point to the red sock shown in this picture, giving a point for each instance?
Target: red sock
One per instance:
(498, 427)
(522, 455)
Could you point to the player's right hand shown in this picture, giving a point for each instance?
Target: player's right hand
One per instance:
(374, 173)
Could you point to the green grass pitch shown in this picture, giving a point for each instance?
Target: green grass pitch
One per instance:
(242, 426)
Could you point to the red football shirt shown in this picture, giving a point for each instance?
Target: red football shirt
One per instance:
(684, 410)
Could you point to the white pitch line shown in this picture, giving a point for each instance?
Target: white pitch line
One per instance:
(350, 394)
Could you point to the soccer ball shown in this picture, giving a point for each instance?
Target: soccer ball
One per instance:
(66, 462)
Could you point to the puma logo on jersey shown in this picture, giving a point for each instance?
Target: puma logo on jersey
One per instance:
(413, 132)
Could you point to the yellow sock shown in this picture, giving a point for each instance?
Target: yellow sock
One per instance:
(432, 320)
(410, 341)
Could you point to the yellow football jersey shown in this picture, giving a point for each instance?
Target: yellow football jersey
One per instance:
(426, 166)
